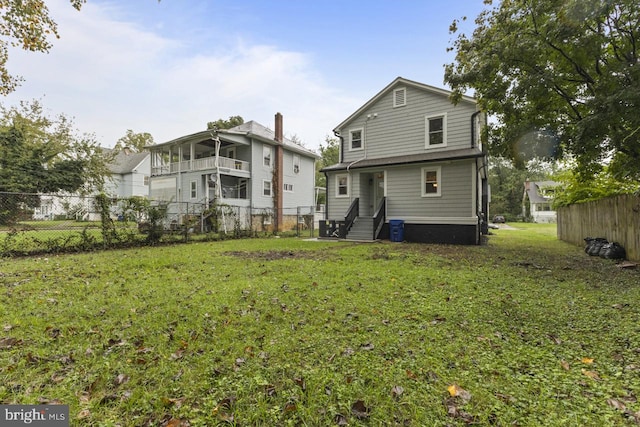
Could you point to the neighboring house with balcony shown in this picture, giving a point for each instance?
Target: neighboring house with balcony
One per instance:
(537, 201)
(410, 155)
(248, 166)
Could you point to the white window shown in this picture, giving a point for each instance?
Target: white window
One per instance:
(356, 139)
(288, 188)
(342, 185)
(399, 97)
(431, 181)
(266, 188)
(145, 180)
(266, 155)
(194, 189)
(296, 163)
(436, 131)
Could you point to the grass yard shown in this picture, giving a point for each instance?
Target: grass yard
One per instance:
(524, 331)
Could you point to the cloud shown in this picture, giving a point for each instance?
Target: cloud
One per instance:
(111, 75)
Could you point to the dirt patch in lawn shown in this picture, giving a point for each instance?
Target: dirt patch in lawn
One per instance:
(276, 255)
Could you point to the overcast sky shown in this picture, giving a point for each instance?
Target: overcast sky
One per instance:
(170, 67)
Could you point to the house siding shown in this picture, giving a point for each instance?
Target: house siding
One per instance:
(402, 129)
(303, 194)
(404, 189)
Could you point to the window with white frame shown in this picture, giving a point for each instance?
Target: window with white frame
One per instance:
(266, 188)
(296, 163)
(431, 181)
(436, 131)
(288, 187)
(342, 185)
(194, 189)
(266, 155)
(145, 180)
(399, 97)
(356, 139)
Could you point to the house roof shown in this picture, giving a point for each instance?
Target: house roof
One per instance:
(126, 161)
(463, 153)
(250, 129)
(258, 131)
(397, 82)
(533, 190)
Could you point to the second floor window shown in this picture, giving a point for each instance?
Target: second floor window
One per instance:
(356, 139)
(436, 131)
(296, 163)
(266, 155)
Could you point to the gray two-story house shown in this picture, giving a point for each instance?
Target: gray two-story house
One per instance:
(249, 167)
(409, 158)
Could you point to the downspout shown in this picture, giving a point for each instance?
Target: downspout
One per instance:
(326, 196)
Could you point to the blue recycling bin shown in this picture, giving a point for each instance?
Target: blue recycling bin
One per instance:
(396, 228)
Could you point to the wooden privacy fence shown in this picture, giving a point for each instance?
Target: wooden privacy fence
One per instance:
(617, 219)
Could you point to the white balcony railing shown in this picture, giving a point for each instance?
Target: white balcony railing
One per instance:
(207, 163)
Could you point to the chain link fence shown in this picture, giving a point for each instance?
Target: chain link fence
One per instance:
(49, 223)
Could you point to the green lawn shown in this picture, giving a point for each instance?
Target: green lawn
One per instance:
(525, 330)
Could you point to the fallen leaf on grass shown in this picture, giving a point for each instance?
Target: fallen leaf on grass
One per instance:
(360, 410)
(591, 374)
(9, 342)
(341, 420)
(121, 379)
(289, 407)
(83, 414)
(175, 402)
(300, 382)
(457, 391)
(587, 360)
(565, 365)
(616, 404)
(396, 391)
(175, 422)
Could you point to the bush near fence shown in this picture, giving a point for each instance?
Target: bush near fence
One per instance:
(50, 223)
(616, 219)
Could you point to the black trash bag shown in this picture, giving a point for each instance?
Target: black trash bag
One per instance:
(603, 248)
(597, 244)
(588, 242)
(614, 251)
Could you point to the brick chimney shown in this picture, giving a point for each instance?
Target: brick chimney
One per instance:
(278, 175)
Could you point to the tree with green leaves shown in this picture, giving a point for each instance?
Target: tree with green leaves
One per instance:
(134, 142)
(560, 78)
(329, 155)
(39, 154)
(233, 121)
(25, 24)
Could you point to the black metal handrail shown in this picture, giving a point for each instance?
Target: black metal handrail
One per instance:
(352, 214)
(379, 217)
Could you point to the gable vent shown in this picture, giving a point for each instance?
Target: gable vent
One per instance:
(399, 97)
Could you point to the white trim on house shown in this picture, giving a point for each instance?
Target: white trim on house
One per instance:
(428, 131)
(270, 189)
(399, 97)
(193, 189)
(267, 156)
(362, 142)
(296, 163)
(338, 177)
(438, 181)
